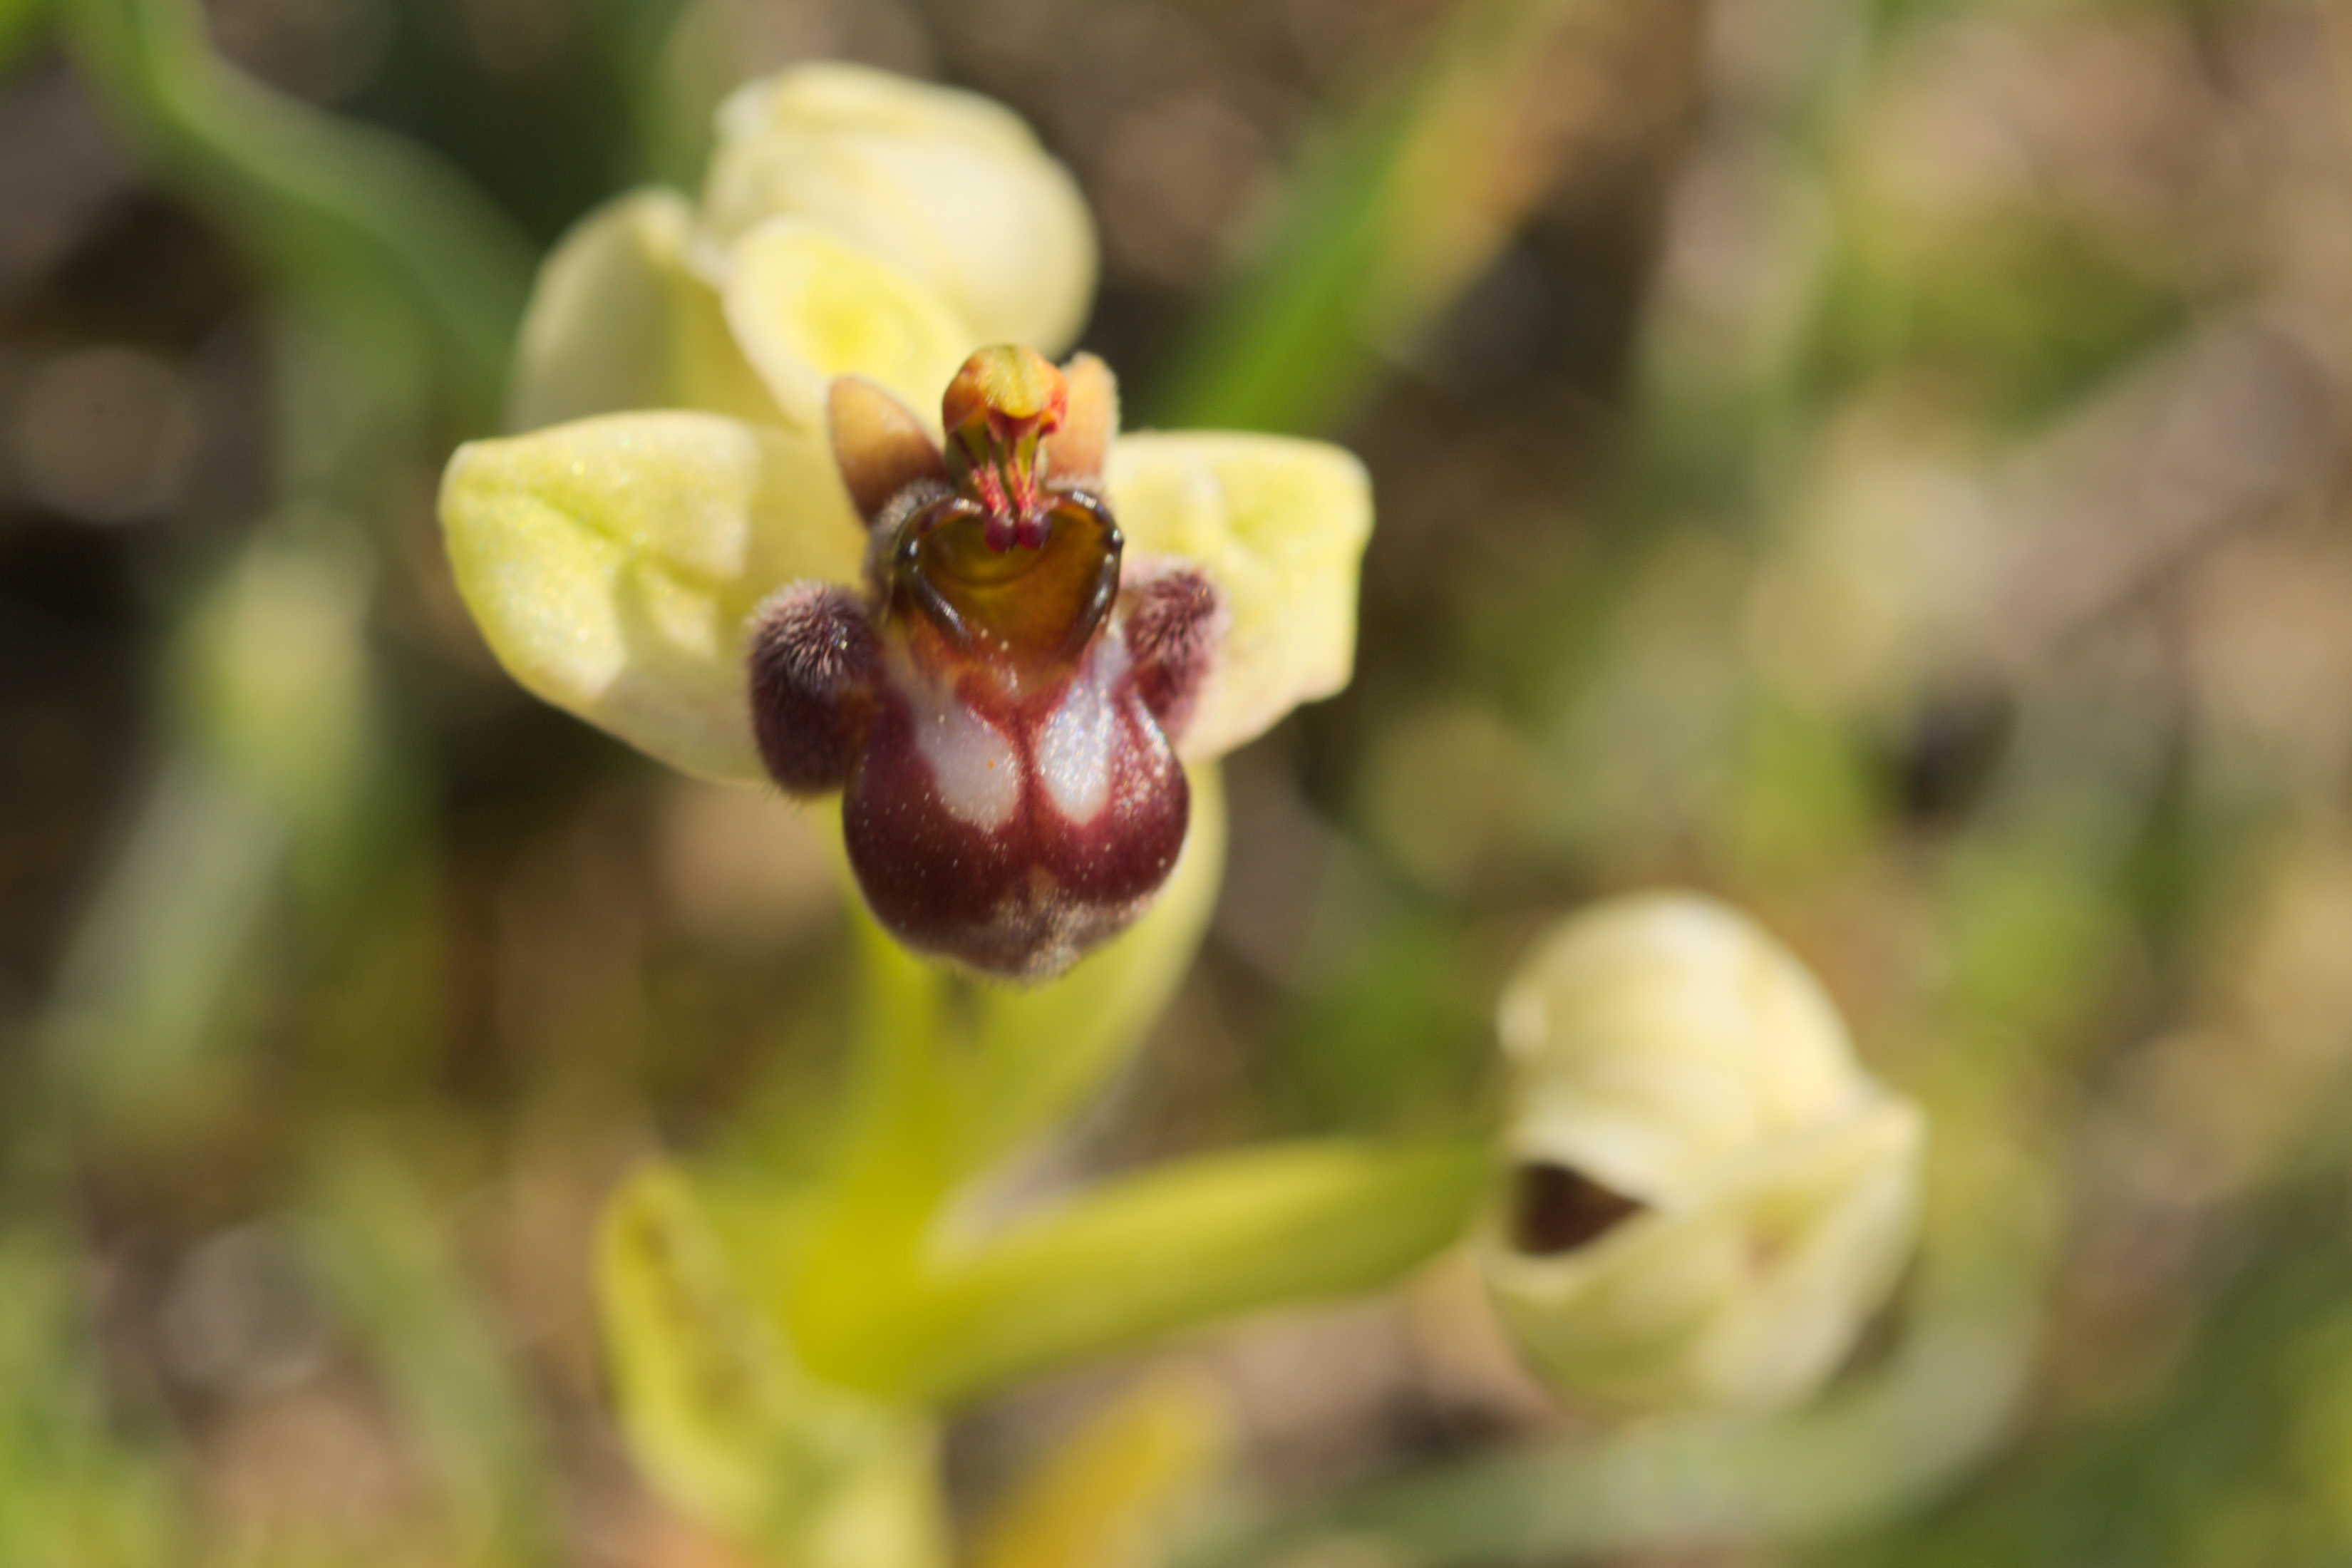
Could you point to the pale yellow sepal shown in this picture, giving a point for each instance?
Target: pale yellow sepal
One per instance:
(614, 564)
(947, 185)
(621, 319)
(1667, 1049)
(1279, 526)
(807, 307)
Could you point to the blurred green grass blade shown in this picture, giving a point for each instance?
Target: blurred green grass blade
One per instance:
(1401, 210)
(2246, 1427)
(20, 24)
(1104, 1493)
(276, 741)
(337, 206)
(1884, 1449)
(635, 36)
(150, 981)
(73, 1488)
(1281, 350)
(379, 1244)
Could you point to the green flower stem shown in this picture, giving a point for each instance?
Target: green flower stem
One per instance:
(858, 1241)
(952, 1074)
(899, 1167)
(327, 201)
(1034, 1054)
(1150, 1256)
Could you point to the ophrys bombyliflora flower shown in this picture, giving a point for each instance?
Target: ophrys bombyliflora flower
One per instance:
(748, 436)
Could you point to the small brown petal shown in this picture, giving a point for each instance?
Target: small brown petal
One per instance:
(878, 444)
(1075, 453)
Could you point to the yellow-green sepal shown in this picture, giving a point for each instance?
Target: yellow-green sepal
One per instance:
(1278, 526)
(614, 564)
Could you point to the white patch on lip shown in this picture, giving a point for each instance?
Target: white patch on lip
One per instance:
(1074, 745)
(974, 767)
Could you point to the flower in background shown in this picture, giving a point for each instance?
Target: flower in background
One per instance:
(1708, 1198)
(802, 498)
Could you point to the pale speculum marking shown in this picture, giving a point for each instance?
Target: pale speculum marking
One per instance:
(1075, 744)
(976, 772)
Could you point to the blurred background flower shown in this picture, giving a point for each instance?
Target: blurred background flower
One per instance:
(1881, 462)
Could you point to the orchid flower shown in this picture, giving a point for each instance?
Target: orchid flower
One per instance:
(801, 497)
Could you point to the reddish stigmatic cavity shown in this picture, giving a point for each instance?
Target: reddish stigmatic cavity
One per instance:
(999, 707)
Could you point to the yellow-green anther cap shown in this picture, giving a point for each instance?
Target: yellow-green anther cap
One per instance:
(1705, 1197)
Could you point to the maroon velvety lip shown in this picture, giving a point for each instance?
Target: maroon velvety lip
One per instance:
(1015, 836)
(1000, 706)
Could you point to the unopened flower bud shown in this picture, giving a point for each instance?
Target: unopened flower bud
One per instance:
(1708, 1198)
(943, 184)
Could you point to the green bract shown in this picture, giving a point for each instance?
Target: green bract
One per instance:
(723, 1420)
